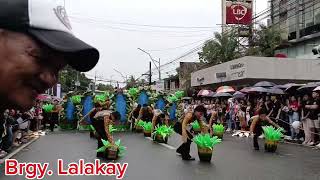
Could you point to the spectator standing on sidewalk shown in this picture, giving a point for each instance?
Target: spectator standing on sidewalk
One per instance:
(305, 118)
(314, 125)
(293, 116)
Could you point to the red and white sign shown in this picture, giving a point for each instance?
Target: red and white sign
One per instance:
(238, 13)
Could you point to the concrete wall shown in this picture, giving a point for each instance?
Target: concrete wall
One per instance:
(259, 68)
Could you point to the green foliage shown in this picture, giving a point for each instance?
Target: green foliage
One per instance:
(105, 87)
(139, 123)
(101, 98)
(134, 93)
(218, 128)
(68, 77)
(265, 41)
(112, 129)
(221, 49)
(147, 126)
(163, 131)
(48, 108)
(107, 144)
(206, 141)
(195, 125)
(179, 94)
(272, 134)
(76, 99)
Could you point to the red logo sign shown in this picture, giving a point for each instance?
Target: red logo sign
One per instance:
(238, 13)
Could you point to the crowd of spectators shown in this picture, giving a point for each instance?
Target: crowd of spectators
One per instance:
(284, 110)
(17, 126)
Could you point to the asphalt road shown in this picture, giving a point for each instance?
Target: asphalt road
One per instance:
(234, 159)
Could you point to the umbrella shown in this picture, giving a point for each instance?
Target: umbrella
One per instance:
(293, 87)
(43, 97)
(205, 93)
(264, 84)
(276, 91)
(239, 95)
(259, 89)
(309, 86)
(245, 90)
(222, 95)
(286, 86)
(317, 88)
(225, 89)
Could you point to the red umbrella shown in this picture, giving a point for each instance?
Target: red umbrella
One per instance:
(43, 97)
(205, 93)
(245, 90)
(225, 89)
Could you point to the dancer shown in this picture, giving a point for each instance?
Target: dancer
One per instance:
(159, 118)
(101, 119)
(256, 126)
(134, 116)
(181, 128)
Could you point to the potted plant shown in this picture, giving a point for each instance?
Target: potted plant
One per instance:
(205, 144)
(196, 127)
(272, 138)
(139, 126)
(112, 151)
(162, 133)
(147, 129)
(218, 130)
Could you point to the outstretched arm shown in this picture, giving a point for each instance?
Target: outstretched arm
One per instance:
(107, 122)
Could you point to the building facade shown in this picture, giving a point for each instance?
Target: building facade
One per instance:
(249, 70)
(299, 23)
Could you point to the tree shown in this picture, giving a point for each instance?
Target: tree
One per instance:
(68, 78)
(131, 82)
(219, 50)
(265, 41)
(105, 87)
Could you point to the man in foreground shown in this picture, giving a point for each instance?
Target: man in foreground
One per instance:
(34, 46)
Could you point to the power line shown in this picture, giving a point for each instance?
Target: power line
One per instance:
(146, 25)
(136, 30)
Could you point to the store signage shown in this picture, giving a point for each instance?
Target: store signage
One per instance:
(238, 12)
(221, 75)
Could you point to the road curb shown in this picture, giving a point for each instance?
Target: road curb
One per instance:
(18, 149)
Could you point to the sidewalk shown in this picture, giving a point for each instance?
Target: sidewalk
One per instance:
(31, 137)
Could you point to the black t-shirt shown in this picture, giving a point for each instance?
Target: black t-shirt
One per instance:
(314, 112)
(275, 107)
(304, 103)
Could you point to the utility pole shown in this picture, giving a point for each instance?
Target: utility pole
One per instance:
(154, 61)
(159, 69)
(95, 81)
(150, 74)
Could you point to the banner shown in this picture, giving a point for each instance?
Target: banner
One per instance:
(238, 13)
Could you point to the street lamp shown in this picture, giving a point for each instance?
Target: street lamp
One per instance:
(154, 61)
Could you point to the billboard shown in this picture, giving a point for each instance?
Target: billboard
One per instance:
(239, 12)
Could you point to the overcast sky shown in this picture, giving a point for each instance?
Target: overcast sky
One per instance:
(115, 28)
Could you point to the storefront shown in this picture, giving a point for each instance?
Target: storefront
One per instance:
(249, 70)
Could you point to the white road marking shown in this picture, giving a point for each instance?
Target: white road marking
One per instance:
(162, 144)
(167, 146)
